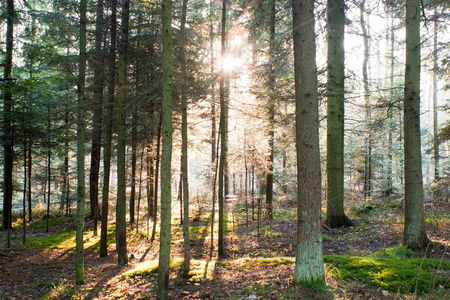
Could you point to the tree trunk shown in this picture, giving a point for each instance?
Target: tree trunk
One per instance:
(133, 166)
(121, 225)
(166, 155)
(309, 268)
(335, 115)
(435, 101)
(415, 235)
(49, 179)
(8, 106)
(223, 136)
(81, 188)
(155, 198)
(184, 144)
(271, 112)
(108, 134)
(97, 117)
(368, 141)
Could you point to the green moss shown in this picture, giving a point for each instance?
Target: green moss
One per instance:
(151, 267)
(62, 240)
(285, 214)
(392, 274)
(250, 262)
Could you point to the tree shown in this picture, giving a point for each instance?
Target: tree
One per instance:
(8, 139)
(271, 111)
(97, 116)
(121, 225)
(108, 133)
(166, 154)
(335, 115)
(184, 142)
(415, 235)
(309, 268)
(222, 129)
(81, 189)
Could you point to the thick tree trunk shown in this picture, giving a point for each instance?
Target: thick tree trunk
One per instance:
(309, 268)
(415, 235)
(166, 155)
(335, 115)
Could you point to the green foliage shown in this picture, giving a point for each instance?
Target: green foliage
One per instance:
(394, 274)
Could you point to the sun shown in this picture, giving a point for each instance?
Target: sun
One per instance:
(230, 63)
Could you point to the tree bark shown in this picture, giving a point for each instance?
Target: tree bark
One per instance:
(271, 112)
(309, 268)
(335, 115)
(415, 235)
(8, 106)
(97, 117)
(108, 133)
(121, 209)
(81, 188)
(166, 155)
(223, 136)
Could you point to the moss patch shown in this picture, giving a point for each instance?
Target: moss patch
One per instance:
(392, 274)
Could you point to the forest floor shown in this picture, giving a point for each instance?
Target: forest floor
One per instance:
(365, 261)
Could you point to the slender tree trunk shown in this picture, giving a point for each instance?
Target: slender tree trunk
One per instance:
(108, 133)
(213, 100)
(155, 198)
(309, 268)
(29, 170)
(223, 135)
(121, 225)
(213, 210)
(81, 187)
(391, 121)
(415, 235)
(134, 133)
(8, 106)
(49, 179)
(166, 155)
(435, 101)
(271, 112)
(368, 141)
(184, 144)
(335, 115)
(97, 117)
(25, 181)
